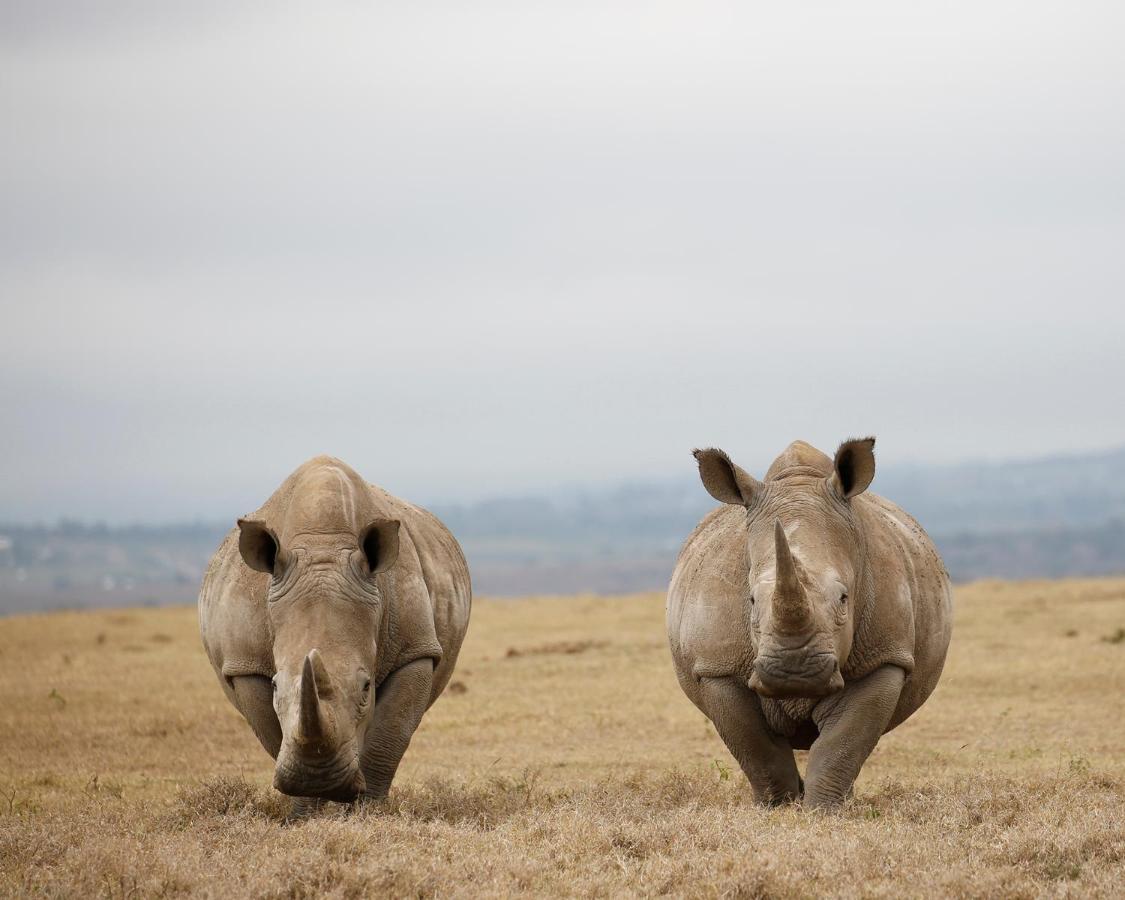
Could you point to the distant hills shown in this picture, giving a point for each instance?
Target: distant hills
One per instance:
(1048, 517)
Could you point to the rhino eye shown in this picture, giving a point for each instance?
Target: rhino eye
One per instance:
(844, 597)
(367, 687)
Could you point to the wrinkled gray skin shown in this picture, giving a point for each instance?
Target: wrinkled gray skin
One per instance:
(806, 614)
(333, 617)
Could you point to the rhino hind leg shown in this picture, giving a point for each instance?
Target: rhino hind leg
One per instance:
(765, 757)
(400, 702)
(253, 697)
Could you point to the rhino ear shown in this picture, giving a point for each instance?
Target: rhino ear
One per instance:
(725, 481)
(379, 541)
(258, 545)
(854, 467)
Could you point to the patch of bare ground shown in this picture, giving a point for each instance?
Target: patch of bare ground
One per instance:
(126, 774)
(555, 647)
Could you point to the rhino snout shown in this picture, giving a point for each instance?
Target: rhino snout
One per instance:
(799, 676)
(342, 783)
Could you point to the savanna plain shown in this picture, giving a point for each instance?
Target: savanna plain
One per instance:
(564, 760)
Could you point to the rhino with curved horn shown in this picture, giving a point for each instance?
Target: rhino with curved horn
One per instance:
(333, 617)
(806, 614)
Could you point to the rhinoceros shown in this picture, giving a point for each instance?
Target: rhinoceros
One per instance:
(333, 617)
(806, 614)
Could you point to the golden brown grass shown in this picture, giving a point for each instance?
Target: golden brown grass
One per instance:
(566, 761)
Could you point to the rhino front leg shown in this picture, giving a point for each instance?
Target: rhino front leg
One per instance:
(253, 697)
(850, 723)
(400, 702)
(765, 757)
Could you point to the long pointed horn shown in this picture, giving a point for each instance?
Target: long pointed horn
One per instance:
(310, 721)
(790, 609)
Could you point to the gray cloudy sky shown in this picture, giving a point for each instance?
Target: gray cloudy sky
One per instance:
(477, 248)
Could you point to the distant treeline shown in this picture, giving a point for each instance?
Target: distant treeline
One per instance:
(1046, 518)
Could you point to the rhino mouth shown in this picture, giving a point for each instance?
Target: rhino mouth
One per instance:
(342, 783)
(805, 676)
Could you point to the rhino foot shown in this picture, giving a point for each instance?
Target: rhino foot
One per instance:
(307, 807)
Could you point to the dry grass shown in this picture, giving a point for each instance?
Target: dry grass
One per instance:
(572, 765)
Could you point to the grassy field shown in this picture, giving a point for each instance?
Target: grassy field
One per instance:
(565, 760)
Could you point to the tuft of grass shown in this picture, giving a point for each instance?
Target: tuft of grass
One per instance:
(16, 802)
(227, 798)
(96, 787)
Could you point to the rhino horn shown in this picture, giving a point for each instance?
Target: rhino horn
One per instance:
(790, 607)
(312, 724)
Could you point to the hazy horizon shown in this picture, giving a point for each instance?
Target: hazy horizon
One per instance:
(484, 250)
(562, 493)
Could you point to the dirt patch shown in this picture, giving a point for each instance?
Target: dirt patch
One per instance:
(559, 647)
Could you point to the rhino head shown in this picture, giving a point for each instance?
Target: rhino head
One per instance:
(806, 556)
(325, 608)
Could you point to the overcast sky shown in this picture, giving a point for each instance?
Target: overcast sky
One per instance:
(494, 248)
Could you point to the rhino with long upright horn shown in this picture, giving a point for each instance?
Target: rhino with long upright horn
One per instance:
(806, 614)
(333, 617)
(314, 729)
